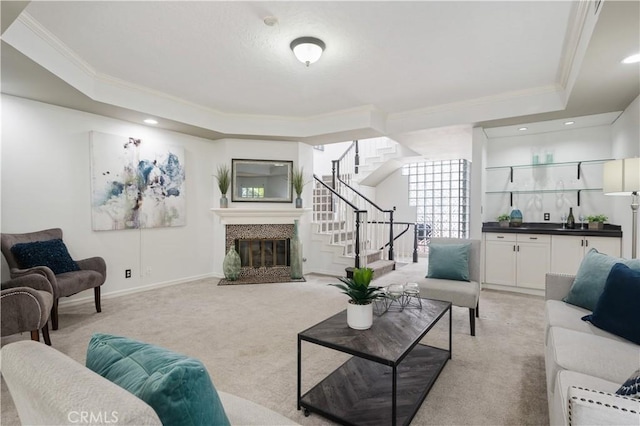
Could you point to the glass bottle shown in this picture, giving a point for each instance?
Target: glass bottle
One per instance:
(571, 221)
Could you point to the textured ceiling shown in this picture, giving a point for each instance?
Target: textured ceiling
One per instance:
(389, 67)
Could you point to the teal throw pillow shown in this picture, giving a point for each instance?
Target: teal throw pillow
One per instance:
(176, 386)
(618, 309)
(449, 261)
(592, 276)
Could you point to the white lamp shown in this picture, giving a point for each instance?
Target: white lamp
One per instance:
(622, 177)
(307, 49)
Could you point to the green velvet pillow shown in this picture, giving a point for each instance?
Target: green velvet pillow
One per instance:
(449, 261)
(592, 276)
(177, 387)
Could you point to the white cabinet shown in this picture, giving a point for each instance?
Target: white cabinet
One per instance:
(500, 258)
(517, 260)
(567, 251)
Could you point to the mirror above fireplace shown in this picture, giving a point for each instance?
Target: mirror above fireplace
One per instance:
(261, 181)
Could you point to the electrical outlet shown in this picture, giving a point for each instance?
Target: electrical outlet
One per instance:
(127, 273)
(547, 216)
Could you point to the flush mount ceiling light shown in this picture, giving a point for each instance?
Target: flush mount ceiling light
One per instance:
(522, 129)
(631, 59)
(150, 121)
(307, 49)
(569, 123)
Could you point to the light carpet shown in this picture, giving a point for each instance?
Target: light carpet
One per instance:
(246, 335)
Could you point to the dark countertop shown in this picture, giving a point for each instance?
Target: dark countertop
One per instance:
(549, 228)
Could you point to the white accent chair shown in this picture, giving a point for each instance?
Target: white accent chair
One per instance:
(465, 294)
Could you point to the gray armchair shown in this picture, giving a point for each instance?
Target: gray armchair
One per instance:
(460, 293)
(92, 272)
(25, 304)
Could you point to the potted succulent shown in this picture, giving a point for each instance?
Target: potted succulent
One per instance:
(361, 297)
(504, 219)
(297, 180)
(223, 176)
(597, 221)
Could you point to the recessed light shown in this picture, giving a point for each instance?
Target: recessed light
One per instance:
(523, 129)
(150, 121)
(569, 123)
(632, 59)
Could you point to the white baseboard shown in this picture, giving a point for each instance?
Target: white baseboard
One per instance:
(119, 293)
(513, 289)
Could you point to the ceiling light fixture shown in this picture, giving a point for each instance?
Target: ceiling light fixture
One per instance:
(522, 129)
(150, 121)
(632, 59)
(307, 49)
(569, 123)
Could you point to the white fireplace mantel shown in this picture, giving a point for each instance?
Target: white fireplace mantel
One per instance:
(257, 216)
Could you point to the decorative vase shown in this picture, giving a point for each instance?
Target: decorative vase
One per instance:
(359, 317)
(296, 253)
(515, 217)
(298, 202)
(231, 265)
(224, 201)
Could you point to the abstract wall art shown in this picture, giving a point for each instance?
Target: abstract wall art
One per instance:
(135, 183)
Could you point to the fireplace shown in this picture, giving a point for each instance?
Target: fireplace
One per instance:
(263, 249)
(263, 252)
(264, 226)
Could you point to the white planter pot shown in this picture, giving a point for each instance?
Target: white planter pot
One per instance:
(359, 317)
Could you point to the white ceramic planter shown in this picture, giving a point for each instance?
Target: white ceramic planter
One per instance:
(359, 317)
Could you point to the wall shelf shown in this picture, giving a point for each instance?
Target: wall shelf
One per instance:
(545, 191)
(577, 164)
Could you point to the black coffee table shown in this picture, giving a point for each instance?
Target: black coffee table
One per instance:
(390, 373)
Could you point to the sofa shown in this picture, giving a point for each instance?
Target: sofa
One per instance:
(584, 364)
(49, 388)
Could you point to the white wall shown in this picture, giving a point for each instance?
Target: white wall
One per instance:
(394, 191)
(302, 156)
(625, 132)
(619, 140)
(46, 184)
(625, 143)
(583, 144)
(322, 159)
(478, 158)
(45, 170)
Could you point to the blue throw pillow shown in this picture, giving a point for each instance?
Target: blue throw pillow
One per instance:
(618, 309)
(50, 253)
(176, 386)
(592, 276)
(449, 261)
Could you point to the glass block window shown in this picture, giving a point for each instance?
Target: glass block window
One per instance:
(440, 192)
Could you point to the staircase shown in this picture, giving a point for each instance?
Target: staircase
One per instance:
(335, 234)
(350, 230)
